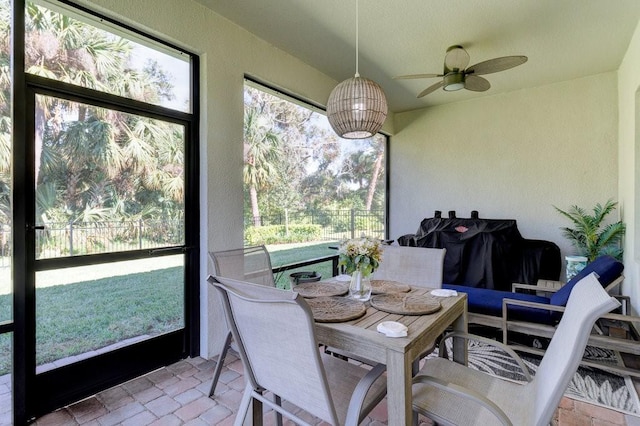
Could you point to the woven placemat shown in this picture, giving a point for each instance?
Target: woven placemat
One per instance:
(321, 289)
(336, 309)
(386, 286)
(405, 304)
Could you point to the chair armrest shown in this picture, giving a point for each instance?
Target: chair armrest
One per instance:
(355, 413)
(508, 302)
(520, 286)
(614, 286)
(632, 319)
(464, 393)
(487, 341)
(545, 286)
(625, 302)
(544, 306)
(612, 316)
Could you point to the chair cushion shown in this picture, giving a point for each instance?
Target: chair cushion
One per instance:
(489, 302)
(606, 268)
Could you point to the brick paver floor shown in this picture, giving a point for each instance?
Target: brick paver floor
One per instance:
(177, 395)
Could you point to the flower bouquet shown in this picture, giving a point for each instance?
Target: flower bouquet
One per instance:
(360, 257)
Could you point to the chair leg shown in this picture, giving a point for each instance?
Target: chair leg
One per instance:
(223, 354)
(243, 409)
(278, 415)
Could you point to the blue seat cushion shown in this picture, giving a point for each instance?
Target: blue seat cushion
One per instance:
(489, 302)
(606, 268)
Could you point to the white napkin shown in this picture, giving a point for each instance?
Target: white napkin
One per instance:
(343, 278)
(392, 329)
(442, 292)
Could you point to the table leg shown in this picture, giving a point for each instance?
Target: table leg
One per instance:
(460, 345)
(399, 389)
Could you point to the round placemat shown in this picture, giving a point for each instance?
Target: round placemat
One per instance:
(321, 289)
(386, 286)
(405, 304)
(336, 309)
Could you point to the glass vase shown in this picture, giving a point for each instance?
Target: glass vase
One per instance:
(360, 286)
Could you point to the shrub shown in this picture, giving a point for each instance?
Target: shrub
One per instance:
(274, 234)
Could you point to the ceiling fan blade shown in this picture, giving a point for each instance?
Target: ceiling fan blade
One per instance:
(476, 84)
(431, 88)
(406, 77)
(456, 58)
(496, 65)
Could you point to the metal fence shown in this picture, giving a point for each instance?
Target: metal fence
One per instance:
(77, 238)
(334, 224)
(60, 239)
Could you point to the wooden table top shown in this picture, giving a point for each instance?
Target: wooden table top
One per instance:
(361, 337)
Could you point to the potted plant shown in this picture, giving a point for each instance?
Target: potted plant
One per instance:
(590, 235)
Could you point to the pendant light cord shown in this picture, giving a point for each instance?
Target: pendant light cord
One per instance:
(357, 73)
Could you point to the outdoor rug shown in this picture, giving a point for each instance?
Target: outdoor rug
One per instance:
(589, 384)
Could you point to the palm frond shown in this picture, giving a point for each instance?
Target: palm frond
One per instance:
(599, 211)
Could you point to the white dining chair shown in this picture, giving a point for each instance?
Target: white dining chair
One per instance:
(453, 394)
(416, 266)
(275, 333)
(252, 264)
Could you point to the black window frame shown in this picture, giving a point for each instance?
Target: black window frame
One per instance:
(22, 325)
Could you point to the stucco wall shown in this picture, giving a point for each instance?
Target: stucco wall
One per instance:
(629, 161)
(513, 155)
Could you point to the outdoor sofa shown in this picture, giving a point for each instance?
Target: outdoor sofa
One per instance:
(527, 320)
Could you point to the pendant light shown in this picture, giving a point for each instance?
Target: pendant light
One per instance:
(357, 107)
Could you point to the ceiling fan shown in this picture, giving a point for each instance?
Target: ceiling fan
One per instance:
(457, 76)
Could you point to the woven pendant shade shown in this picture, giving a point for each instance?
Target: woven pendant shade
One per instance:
(357, 108)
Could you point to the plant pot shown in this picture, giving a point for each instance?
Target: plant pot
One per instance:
(304, 277)
(575, 264)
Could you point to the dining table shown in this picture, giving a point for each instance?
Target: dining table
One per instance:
(361, 338)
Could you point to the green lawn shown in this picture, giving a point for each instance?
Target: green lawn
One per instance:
(285, 256)
(77, 318)
(80, 317)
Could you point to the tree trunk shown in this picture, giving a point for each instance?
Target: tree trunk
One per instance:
(255, 211)
(374, 180)
(39, 133)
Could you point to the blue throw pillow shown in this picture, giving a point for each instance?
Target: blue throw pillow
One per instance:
(606, 268)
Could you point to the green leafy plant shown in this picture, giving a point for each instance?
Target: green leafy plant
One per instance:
(590, 236)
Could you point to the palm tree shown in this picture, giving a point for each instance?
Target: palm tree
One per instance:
(91, 163)
(375, 173)
(62, 48)
(261, 153)
(137, 156)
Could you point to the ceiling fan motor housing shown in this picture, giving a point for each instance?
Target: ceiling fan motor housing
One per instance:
(454, 81)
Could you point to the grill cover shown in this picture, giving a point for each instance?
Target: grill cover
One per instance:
(487, 253)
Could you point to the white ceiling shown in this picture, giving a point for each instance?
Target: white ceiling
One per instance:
(563, 39)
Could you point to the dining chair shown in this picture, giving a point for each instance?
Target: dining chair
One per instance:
(416, 266)
(275, 333)
(251, 264)
(453, 394)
